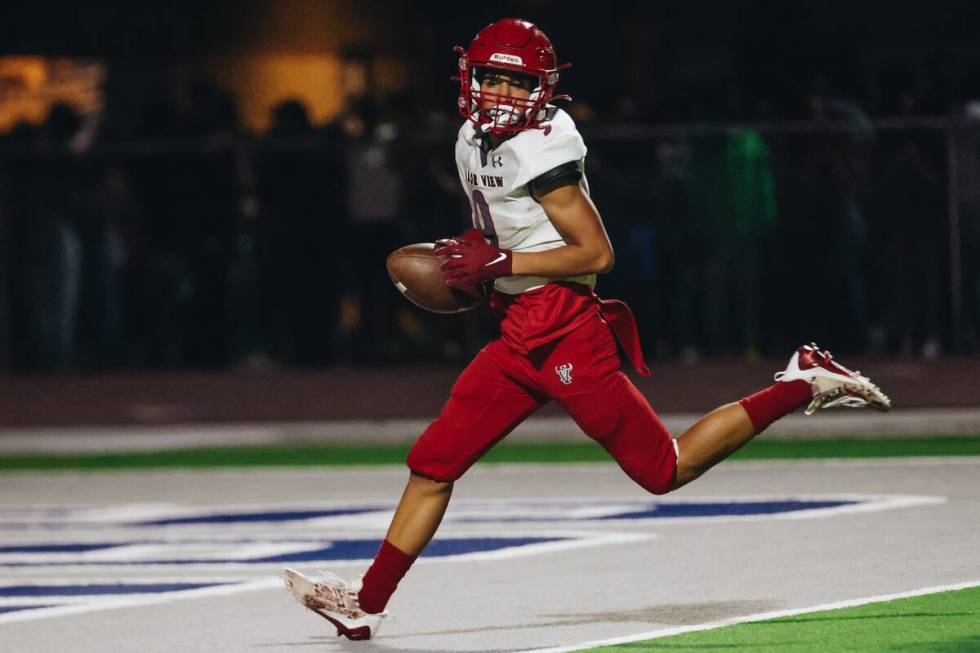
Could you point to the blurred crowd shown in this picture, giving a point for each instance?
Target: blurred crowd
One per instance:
(192, 243)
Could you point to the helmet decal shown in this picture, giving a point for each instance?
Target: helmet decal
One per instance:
(507, 58)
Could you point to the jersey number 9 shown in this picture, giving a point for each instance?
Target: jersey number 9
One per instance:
(482, 218)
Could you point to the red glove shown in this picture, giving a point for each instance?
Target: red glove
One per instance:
(472, 259)
(474, 236)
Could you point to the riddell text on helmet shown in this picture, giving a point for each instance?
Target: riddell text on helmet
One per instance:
(500, 57)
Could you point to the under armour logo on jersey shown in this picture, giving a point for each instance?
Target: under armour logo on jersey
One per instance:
(497, 161)
(564, 372)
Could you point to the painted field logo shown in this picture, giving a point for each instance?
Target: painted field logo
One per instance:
(215, 550)
(137, 554)
(143, 520)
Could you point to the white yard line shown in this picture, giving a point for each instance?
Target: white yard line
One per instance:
(760, 616)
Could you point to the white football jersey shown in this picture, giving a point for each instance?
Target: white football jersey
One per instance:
(496, 183)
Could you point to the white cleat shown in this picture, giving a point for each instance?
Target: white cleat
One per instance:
(832, 383)
(334, 599)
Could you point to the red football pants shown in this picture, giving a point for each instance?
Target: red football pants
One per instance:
(581, 371)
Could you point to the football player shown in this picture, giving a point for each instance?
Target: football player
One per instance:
(540, 241)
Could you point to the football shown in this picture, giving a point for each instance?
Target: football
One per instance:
(414, 269)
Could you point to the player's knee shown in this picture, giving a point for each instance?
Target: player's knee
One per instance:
(655, 470)
(427, 470)
(658, 486)
(427, 485)
(653, 480)
(687, 472)
(426, 462)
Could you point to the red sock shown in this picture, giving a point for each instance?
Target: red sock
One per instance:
(381, 579)
(782, 398)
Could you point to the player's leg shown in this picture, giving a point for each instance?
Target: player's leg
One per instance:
(613, 412)
(812, 378)
(486, 403)
(620, 419)
(356, 609)
(723, 431)
(419, 513)
(607, 406)
(727, 428)
(484, 406)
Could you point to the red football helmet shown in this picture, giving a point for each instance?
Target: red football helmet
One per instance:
(514, 45)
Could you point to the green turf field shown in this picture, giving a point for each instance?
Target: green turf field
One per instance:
(948, 622)
(586, 451)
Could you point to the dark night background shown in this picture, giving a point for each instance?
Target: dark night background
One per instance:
(770, 51)
(229, 199)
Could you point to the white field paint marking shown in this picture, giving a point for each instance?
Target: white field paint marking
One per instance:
(470, 512)
(760, 616)
(136, 601)
(93, 604)
(55, 517)
(206, 552)
(873, 504)
(131, 582)
(42, 601)
(85, 516)
(574, 540)
(585, 508)
(579, 540)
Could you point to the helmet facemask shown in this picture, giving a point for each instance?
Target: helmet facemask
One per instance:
(505, 114)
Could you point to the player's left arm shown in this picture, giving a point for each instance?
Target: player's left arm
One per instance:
(587, 249)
